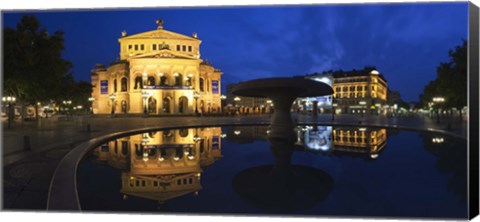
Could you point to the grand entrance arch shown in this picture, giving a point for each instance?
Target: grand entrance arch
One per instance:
(182, 104)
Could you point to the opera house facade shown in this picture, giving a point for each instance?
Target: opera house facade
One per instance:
(158, 72)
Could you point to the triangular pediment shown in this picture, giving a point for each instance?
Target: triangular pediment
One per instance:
(164, 53)
(159, 34)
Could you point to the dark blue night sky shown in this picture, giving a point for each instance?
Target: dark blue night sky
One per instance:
(406, 42)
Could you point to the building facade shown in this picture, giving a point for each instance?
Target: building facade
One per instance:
(247, 105)
(160, 73)
(355, 92)
(359, 92)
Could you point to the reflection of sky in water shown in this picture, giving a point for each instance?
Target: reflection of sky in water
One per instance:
(413, 175)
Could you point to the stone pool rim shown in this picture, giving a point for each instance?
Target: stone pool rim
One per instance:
(63, 195)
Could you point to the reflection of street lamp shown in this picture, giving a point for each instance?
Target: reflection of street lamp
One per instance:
(438, 100)
(91, 99)
(112, 98)
(9, 100)
(196, 95)
(145, 97)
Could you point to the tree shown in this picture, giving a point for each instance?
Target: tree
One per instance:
(34, 69)
(451, 81)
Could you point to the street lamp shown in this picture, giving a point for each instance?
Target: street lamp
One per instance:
(222, 98)
(91, 99)
(236, 99)
(438, 100)
(145, 97)
(334, 107)
(9, 100)
(196, 95)
(112, 98)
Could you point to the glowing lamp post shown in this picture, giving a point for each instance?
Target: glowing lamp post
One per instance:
(112, 98)
(196, 95)
(223, 98)
(438, 100)
(334, 107)
(236, 99)
(9, 100)
(91, 99)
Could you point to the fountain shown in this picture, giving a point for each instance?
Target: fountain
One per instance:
(282, 91)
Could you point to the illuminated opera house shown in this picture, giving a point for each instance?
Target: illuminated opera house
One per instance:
(162, 165)
(160, 73)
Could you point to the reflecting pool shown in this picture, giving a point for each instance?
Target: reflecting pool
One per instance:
(324, 171)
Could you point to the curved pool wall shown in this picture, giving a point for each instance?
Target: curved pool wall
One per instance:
(63, 191)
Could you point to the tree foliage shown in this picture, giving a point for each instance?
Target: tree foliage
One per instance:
(34, 70)
(451, 80)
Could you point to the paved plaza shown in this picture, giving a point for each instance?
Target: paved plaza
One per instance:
(27, 174)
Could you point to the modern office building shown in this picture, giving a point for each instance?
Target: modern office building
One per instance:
(159, 72)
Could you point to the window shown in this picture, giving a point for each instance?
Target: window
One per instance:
(136, 47)
(359, 88)
(201, 85)
(154, 47)
(115, 85)
(143, 183)
(184, 48)
(189, 48)
(345, 88)
(151, 81)
(352, 88)
(138, 82)
(365, 88)
(178, 47)
(129, 47)
(142, 47)
(124, 84)
(190, 180)
(155, 183)
(338, 89)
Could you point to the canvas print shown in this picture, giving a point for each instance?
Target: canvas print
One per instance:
(334, 110)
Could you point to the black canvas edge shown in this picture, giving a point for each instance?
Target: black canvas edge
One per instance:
(473, 106)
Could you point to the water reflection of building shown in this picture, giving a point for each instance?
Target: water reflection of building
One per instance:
(359, 140)
(165, 164)
(342, 140)
(247, 134)
(159, 72)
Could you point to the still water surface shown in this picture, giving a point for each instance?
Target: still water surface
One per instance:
(325, 171)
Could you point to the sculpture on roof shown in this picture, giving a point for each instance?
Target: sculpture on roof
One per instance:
(159, 23)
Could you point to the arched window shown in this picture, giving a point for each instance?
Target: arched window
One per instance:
(151, 81)
(124, 84)
(182, 104)
(163, 81)
(115, 85)
(138, 82)
(152, 105)
(201, 84)
(178, 79)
